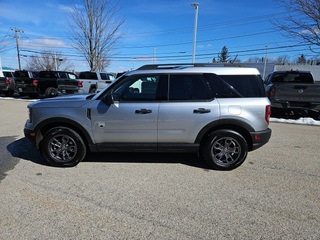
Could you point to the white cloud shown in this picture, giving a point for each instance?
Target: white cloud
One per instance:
(42, 43)
(65, 8)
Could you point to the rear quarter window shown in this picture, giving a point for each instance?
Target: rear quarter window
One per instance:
(232, 86)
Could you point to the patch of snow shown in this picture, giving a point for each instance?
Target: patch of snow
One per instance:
(18, 99)
(306, 121)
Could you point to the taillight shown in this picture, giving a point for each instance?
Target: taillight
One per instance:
(268, 113)
(80, 84)
(271, 92)
(35, 82)
(7, 81)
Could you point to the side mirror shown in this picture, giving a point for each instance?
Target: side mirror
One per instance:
(108, 99)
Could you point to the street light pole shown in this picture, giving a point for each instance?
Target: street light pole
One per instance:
(154, 56)
(265, 64)
(196, 6)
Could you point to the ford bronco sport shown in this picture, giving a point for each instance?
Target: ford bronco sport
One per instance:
(219, 112)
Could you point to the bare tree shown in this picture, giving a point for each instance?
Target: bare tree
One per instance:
(254, 60)
(48, 60)
(284, 59)
(302, 20)
(95, 29)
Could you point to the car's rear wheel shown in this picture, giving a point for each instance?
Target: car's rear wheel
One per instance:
(51, 92)
(92, 90)
(9, 93)
(63, 147)
(224, 149)
(33, 95)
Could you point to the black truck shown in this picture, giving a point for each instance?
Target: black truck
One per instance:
(293, 93)
(47, 83)
(7, 83)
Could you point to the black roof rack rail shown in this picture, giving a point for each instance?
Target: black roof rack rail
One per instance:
(184, 65)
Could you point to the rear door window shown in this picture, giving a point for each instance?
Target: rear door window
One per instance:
(188, 87)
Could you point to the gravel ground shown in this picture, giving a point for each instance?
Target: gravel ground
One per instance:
(275, 194)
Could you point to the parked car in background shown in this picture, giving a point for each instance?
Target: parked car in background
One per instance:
(293, 93)
(7, 83)
(95, 81)
(47, 83)
(221, 113)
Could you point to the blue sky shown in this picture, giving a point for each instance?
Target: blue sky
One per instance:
(154, 31)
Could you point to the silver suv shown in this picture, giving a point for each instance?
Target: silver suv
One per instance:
(219, 112)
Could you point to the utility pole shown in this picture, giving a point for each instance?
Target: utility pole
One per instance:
(16, 36)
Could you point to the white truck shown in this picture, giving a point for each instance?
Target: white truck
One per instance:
(95, 81)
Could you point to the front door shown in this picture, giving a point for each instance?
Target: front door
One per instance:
(134, 116)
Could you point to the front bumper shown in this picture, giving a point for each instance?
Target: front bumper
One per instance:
(33, 136)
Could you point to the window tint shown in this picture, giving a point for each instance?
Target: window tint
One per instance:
(35, 74)
(46, 74)
(138, 88)
(107, 76)
(21, 74)
(294, 77)
(221, 88)
(7, 74)
(237, 86)
(63, 75)
(88, 75)
(104, 76)
(188, 87)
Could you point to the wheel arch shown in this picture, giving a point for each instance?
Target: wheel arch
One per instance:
(229, 124)
(92, 86)
(48, 124)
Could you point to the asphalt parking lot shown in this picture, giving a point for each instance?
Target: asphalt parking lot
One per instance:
(275, 194)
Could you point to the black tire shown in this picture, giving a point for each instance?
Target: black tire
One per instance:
(51, 92)
(63, 147)
(224, 150)
(92, 90)
(9, 93)
(33, 95)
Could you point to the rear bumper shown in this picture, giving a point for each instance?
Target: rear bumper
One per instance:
(296, 105)
(260, 138)
(68, 90)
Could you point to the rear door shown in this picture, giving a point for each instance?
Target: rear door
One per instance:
(189, 107)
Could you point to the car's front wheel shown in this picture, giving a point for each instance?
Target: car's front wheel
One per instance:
(63, 147)
(225, 149)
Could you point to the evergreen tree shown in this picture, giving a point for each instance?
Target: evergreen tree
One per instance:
(302, 59)
(223, 56)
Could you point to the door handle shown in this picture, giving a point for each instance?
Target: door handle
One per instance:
(143, 111)
(201, 110)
